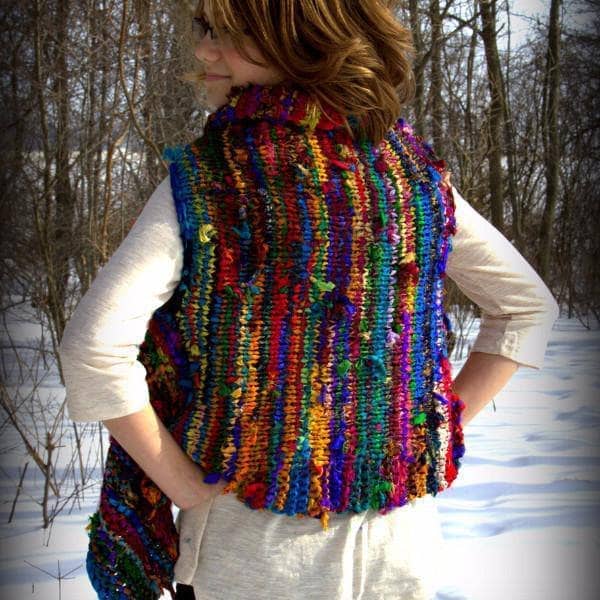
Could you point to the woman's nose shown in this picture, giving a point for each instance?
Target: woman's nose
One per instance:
(207, 50)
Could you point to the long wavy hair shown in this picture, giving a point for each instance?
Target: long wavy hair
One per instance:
(352, 55)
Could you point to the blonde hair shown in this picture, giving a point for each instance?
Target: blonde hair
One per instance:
(352, 55)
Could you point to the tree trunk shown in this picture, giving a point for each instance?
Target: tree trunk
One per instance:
(468, 171)
(509, 143)
(419, 66)
(551, 141)
(142, 15)
(496, 85)
(65, 208)
(436, 84)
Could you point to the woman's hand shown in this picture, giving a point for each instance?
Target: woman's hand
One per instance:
(481, 378)
(151, 445)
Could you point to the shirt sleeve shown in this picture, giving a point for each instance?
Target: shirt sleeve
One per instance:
(100, 344)
(518, 310)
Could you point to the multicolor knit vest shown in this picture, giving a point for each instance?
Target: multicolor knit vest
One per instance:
(303, 356)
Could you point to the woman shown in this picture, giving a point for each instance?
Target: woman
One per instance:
(286, 279)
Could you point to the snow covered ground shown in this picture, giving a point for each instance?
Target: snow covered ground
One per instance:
(523, 519)
(521, 522)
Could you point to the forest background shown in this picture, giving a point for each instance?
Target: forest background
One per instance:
(92, 92)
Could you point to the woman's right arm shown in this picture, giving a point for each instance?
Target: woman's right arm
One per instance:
(103, 379)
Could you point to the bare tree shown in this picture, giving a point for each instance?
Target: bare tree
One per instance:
(551, 138)
(496, 113)
(419, 66)
(94, 94)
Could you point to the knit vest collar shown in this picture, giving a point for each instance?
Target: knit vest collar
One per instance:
(281, 104)
(303, 355)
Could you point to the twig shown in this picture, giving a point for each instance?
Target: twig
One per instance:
(79, 456)
(18, 492)
(5, 403)
(49, 449)
(130, 103)
(60, 577)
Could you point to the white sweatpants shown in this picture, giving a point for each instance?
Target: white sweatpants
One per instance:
(231, 552)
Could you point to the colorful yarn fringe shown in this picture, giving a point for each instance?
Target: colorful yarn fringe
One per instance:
(303, 356)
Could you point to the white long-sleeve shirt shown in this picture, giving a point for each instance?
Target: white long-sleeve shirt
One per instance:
(101, 341)
(294, 558)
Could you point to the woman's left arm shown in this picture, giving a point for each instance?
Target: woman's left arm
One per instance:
(482, 376)
(518, 310)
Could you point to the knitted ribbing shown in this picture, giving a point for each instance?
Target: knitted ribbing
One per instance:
(303, 355)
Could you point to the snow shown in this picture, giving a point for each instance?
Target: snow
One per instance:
(522, 521)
